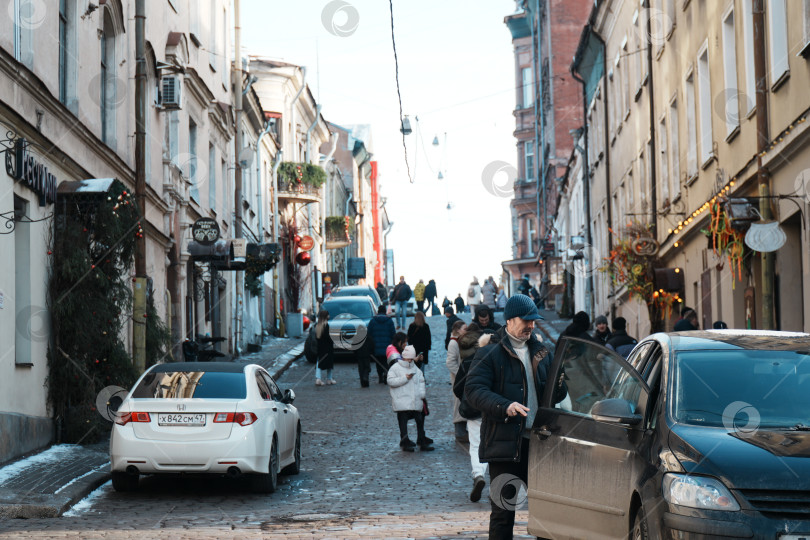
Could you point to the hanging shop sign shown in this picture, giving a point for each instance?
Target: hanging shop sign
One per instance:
(22, 166)
(306, 243)
(205, 231)
(765, 236)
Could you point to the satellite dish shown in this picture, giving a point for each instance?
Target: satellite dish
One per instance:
(246, 156)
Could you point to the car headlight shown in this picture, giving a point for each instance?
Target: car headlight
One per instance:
(698, 492)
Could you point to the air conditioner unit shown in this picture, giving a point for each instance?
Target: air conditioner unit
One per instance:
(170, 92)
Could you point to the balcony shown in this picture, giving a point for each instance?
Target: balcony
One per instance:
(291, 190)
(300, 182)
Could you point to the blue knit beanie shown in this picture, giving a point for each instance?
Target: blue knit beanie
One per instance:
(521, 306)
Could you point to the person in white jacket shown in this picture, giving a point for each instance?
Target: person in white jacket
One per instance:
(407, 386)
(473, 294)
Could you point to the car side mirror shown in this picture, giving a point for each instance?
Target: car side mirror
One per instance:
(615, 411)
(289, 396)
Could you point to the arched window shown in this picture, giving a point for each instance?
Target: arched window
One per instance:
(107, 80)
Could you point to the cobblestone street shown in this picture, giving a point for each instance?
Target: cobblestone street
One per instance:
(355, 480)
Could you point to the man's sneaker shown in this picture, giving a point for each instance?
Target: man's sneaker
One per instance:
(332, 381)
(425, 447)
(407, 444)
(426, 440)
(478, 487)
(318, 382)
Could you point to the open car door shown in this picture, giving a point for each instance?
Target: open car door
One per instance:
(580, 466)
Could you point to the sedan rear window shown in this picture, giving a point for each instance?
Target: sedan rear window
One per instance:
(191, 384)
(361, 310)
(740, 388)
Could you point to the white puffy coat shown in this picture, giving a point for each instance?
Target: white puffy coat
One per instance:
(406, 394)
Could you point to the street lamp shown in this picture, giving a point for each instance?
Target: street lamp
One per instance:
(406, 126)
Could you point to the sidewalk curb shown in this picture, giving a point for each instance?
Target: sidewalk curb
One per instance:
(294, 354)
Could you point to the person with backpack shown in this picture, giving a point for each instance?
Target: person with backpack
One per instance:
(382, 292)
(473, 294)
(381, 331)
(469, 343)
(326, 351)
(400, 296)
(430, 296)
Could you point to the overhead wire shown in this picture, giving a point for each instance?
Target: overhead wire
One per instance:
(399, 93)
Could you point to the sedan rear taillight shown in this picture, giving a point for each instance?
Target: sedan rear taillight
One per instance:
(125, 418)
(241, 418)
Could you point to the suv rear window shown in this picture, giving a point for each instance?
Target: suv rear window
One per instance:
(191, 384)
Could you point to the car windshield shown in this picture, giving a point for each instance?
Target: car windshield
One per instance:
(355, 292)
(191, 384)
(348, 310)
(742, 388)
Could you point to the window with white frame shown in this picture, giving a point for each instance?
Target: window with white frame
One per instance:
(24, 20)
(530, 237)
(223, 48)
(749, 100)
(212, 177)
(213, 39)
(705, 104)
(107, 80)
(225, 186)
(642, 181)
(192, 160)
(691, 126)
(777, 40)
(639, 52)
(528, 87)
(731, 98)
(611, 104)
(648, 179)
(528, 149)
(674, 151)
(663, 162)
(625, 70)
(630, 183)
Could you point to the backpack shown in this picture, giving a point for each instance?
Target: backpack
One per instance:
(471, 292)
(311, 347)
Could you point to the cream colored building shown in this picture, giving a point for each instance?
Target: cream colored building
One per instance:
(696, 60)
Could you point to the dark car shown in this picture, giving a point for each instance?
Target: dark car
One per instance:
(702, 434)
(358, 290)
(348, 323)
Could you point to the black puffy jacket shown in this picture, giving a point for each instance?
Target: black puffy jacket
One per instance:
(496, 379)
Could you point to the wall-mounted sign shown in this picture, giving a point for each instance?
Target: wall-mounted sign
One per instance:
(21, 165)
(356, 268)
(306, 243)
(239, 246)
(205, 231)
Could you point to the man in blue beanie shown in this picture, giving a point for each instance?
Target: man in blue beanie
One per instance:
(507, 378)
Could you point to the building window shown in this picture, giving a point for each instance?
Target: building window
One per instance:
(674, 151)
(63, 24)
(22, 284)
(530, 237)
(777, 40)
(625, 72)
(212, 177)
(663, 164)
(528, 87)
(705, 104)
(192, 160)
(107, 80)
(805, 26)
(213, 40)
(226, 186)
(26, 17)
(748, 37)
(640, 52)
(223, 52)
(731, 98)
(691, 130)
(528, 149)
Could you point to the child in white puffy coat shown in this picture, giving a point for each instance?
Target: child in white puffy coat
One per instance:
(407, 386)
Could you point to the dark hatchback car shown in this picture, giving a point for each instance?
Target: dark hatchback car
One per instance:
(701, 434)
(348, 323)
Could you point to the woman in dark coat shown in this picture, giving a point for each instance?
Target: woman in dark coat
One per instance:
(419, 337)
(430, 295)
(326, 350)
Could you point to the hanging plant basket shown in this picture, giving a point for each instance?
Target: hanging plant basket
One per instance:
(337, 232)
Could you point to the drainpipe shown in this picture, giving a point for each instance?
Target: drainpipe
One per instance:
(326, 195)
(763, 176)
(346, 249)
(276, 295)
(537, 149)
(586, 191)
(261, 211)
(307, 152)
(139, 290)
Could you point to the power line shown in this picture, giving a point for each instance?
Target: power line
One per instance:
(399, 93)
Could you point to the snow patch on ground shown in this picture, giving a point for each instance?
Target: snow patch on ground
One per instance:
(85, 504)
(59, 452)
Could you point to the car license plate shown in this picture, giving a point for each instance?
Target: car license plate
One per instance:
(181, 419)
(794, 537)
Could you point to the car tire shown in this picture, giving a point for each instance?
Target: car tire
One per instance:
(295, 467)
(123, 481)
(268, 482)
(639, 531)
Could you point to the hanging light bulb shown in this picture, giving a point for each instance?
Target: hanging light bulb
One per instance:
(436, 140)
(441, 176)
(406, 126)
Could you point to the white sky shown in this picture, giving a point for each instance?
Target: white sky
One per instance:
(456, 72)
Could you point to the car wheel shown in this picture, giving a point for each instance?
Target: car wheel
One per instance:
(123, 481)
(639, 531)
(267, 482)
(295, 467)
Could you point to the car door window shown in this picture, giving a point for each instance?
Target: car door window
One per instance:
(636, 358)
(594, 373)
(264, 389)
(275, 392)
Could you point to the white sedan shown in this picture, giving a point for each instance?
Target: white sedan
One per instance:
(206, 417)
